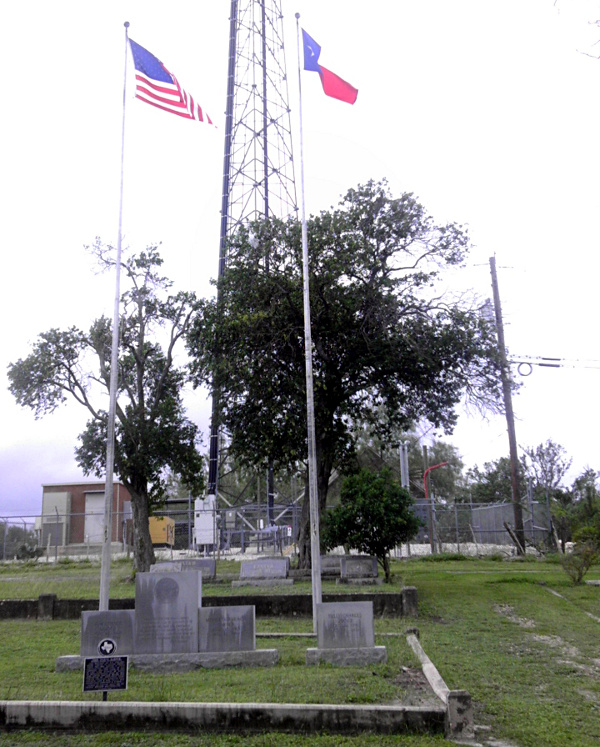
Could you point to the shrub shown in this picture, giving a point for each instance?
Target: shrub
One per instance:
(578, 563)
(373, 516)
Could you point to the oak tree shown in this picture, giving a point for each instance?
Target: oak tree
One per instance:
(383, 334)
(152, 430)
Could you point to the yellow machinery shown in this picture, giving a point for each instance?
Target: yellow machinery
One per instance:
(162, 531)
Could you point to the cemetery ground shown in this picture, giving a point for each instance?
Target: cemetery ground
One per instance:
(529, 658)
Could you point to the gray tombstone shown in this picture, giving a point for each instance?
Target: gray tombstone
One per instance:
(206, 566)
(345, 625)
(167, 566)
(358, 566)
(116, 625)
(166, 612)
(230, 628)
(330, 565)
(265, 568)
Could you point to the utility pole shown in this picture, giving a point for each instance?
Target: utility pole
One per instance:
(429, 500)
(404, 473)
(429, 508)
(510, 417)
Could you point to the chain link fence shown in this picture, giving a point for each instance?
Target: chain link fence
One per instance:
(461, 527)
(468, 528)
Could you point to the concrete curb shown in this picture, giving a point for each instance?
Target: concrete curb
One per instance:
(124, 716)
(459, 708)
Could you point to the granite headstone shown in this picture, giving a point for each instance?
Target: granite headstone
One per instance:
(264, 568)
(358, 566)
(207, 566)
(330, 565)
(167, 566)
(118, 625)
(166, 612)
(345, 625)
(230, 628)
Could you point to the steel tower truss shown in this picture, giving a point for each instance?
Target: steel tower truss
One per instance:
(258, 165)
(258, 169)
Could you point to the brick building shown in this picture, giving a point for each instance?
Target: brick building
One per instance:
(73, 514)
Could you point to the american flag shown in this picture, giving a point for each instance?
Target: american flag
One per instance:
(157, 86)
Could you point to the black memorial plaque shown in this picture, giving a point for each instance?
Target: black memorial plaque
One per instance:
(105, 673)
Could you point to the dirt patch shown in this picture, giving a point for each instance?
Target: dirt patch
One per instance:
(414, 689)
(590, 696)
(569, 655)
(555, 641)
(509, 613)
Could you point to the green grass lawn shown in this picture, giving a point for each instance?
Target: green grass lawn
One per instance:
(530, 659)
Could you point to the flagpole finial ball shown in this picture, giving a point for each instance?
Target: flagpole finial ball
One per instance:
(297, 15)
(126, 24)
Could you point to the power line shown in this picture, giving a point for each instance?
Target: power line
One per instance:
(525, 363)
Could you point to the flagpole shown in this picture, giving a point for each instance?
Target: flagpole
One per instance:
(114, 363)
(315, 545)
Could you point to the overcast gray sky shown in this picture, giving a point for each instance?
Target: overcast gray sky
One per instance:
(487, 111)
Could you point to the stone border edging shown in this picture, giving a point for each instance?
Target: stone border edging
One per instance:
(128, 716)
(459, 708)
(50, 607)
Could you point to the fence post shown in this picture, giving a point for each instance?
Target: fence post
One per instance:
(456, 521)
(56, 542)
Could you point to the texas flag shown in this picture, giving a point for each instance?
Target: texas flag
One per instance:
(333, 85)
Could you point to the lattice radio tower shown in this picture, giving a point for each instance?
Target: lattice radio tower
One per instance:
(258, 166)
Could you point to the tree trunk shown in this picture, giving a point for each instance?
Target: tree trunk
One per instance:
(143, 552)
(324, 469)
(385, 562)
(304, 531)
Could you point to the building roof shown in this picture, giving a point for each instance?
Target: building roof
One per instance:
(81, 483)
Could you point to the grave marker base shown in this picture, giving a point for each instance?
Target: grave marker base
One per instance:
(165, 663)
(263, 582)
(347, 657)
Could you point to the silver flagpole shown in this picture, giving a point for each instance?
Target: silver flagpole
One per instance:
(114, 375)
(315, 545)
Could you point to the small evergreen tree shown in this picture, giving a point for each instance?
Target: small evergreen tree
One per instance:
(373, 516)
